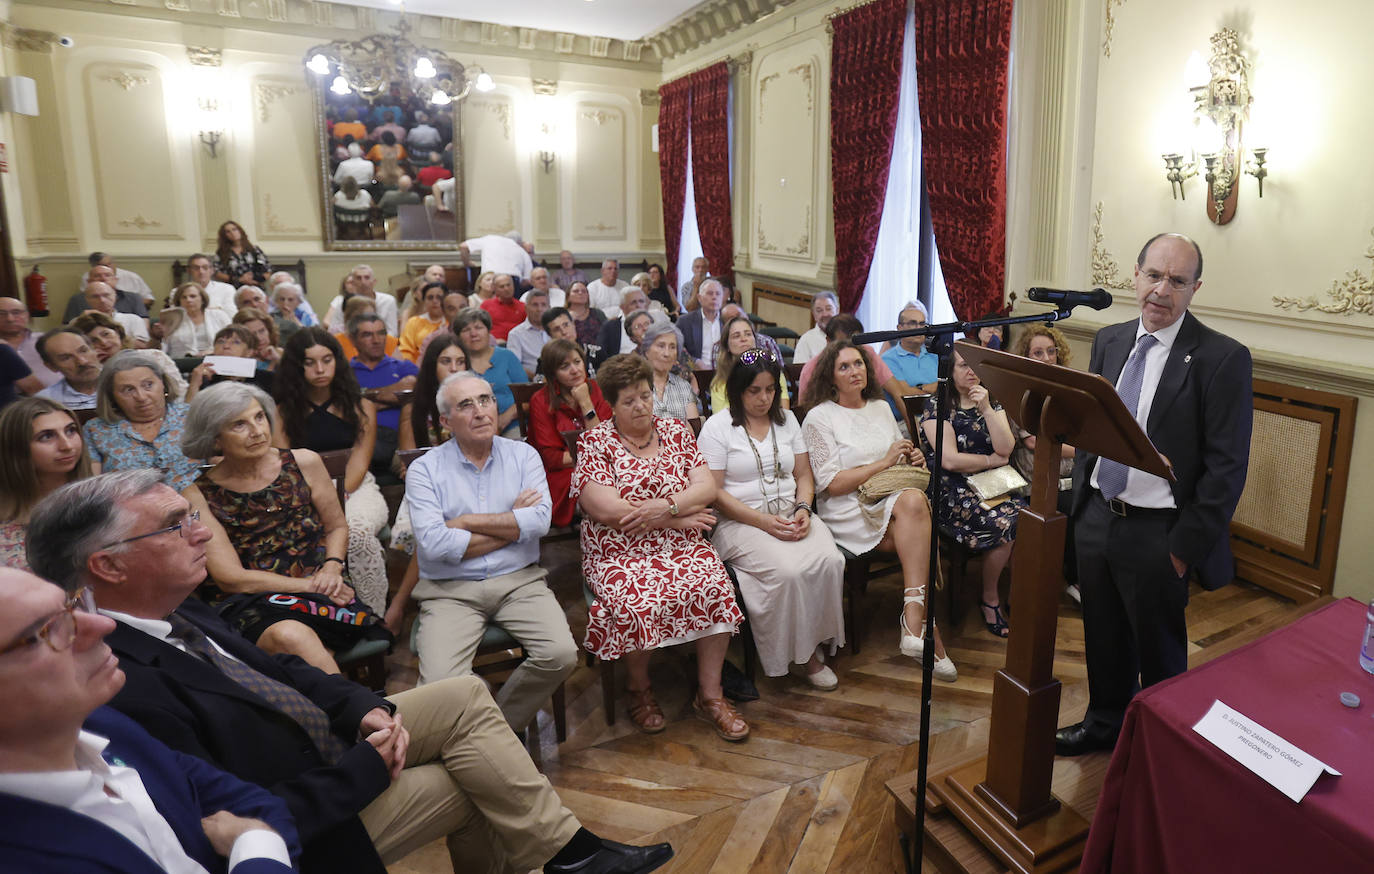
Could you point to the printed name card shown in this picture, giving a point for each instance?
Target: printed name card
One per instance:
(1275, 760)
(228, 365)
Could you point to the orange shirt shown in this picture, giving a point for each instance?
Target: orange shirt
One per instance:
(350, 351)
(356, 128)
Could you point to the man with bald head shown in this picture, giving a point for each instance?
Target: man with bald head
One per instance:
(540, 280)
(125, 301)
(1139, 537)
(16, 333)
(100, 298)
(605, 290)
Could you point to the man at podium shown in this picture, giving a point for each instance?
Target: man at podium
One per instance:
(1139, 536)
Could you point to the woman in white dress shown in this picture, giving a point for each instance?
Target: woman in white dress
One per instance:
(194, 333)
(789, 571)
(851, 436)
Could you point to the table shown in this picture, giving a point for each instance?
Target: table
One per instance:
(1173, 802)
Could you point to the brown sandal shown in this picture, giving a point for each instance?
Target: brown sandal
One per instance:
(724, 718)
(644, 708)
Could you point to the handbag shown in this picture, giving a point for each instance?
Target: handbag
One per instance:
(893, 479)
(995, 483)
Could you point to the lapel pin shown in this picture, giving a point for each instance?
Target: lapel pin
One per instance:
(1187, 358)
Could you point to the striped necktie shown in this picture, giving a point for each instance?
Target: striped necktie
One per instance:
(1111, 475)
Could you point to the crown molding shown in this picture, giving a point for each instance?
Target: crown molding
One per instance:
(708, 21)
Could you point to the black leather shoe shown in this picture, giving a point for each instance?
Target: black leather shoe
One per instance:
(614, 858)
(1074, 740)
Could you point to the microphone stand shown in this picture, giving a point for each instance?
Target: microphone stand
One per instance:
(942, 344)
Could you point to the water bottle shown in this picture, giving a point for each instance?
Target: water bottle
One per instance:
(1367, 648)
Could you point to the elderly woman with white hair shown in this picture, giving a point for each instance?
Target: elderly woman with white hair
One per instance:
(277, 558)
(290, 314)
(674, 395)
(137, 423)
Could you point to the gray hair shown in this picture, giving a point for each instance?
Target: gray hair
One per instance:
(537, 292)
(826, 295)
(274, 281)
(286, 286)
(129, 359)
(656, 330)
(913, 305)
(638, 277)
(711, 281)
(629, 292)
(81, 518)
(515, 235)
(356, 323)
(611, 262)
(441, 399)
(213, 408)
(468, 316)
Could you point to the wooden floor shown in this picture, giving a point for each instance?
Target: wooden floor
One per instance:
(805, 794)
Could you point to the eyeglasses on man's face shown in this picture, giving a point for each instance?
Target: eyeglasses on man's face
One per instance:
(60, 628)
(468, 405)
(184, 527)
(1177, 283)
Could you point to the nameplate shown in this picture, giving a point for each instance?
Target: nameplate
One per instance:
(1276, 761)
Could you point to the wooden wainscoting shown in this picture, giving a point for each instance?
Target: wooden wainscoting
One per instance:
(785, 306)
(1287, 527)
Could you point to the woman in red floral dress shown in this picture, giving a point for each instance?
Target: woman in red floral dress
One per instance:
(644, 489)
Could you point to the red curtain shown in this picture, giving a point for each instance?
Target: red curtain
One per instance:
(674, 108)
(962, 49)
(711, 166)
(865, 80)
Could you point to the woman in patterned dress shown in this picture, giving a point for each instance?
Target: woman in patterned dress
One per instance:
(41, 450)
(644, 489)
(137, 423)
(277, 525)
(237, 261)
(977, 438)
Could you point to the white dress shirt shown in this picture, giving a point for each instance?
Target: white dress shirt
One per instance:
(1145, 489)
(501, 254)
(710, 339)
(114, 795)
(135, 327)
(607, 297)
(809, 345)
(557, 297)
(127, 280)
(386, 308)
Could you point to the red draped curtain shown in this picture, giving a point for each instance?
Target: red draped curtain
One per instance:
(673, 111)
(962, 49)
(865, 80)
(711, 165)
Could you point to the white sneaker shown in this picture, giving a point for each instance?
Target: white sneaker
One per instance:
(824, 679)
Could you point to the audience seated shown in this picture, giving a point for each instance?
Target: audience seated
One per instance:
(237, 260)
(420, 425)
(288, 312)
(250, 297)
(586, 318)
(672, 384)
(125, 301)
(824, 307)
(479, 504)
(266, 343)
(496, 364)
(320, 406)
(427, 321)
(384, 376)
(362, 282)
(138, 424)
(763, 341)
(389, 117)
(842, 327)
(16, 333)
(15, 376)
(200, 269)
(124, 280)
(483, 290)
(424, 137)
(528, 338)
(978, 437)
(914, 369)
(568, 272)
(992, 335)
(437, 170)
(41, 450)
(788, 569)
(100, 298)
(660, 291)
(644, 490)
(353, 308)
(387, 155)
(569, 401)
(737, 337)
(188, 327)
(66, 351)
(350, 126)
(232, 341)
(558, 325)
(84, 789)
(605, 292)
(352, 196)
(703, 326)
(455, 302)
(541, 281)
(506, 312)
(355, 166)
(106, 338)
(367, 778)
(701, 270)
(399, 196)
(852, 438)
(615, 337)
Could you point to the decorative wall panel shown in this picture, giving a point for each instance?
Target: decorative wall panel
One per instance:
(786, 155)
(598, 200)
(136, 196)
(491, 174)
(285, 187)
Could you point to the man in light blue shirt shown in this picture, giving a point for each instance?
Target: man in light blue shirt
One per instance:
(479, 504)
(915, 369)
(66, 351)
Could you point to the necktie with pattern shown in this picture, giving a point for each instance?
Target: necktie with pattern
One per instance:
(1111, 475)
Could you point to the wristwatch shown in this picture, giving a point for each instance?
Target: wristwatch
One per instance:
(672, 507)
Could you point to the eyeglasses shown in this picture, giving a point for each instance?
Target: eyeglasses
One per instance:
(60, 629)
(911, 324)
(1177, 283)
(184, 526)
(757, 354)
(467, 405)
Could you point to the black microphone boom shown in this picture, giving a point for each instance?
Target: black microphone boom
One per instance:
(1098, 298)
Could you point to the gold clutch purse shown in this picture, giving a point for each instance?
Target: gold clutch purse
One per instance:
(991, 484)
(894, 479)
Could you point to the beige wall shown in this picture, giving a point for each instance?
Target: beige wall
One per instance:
(113, 161)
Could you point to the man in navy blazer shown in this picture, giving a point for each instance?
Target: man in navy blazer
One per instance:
(107, 796)
(701, 327)
(1139, 537)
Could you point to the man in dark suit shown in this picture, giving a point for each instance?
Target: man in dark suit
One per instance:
(613, 340)
(106, 796)
(701, 327)
(1139, 536)
(356, 770)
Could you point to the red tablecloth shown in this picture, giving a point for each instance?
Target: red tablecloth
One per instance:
(1173, 802)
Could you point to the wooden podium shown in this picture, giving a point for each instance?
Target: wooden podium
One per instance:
(1004, 798)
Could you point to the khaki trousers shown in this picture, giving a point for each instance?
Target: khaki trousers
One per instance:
(454, 614)
(468, 778)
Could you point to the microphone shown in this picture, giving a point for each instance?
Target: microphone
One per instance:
(1098, 299)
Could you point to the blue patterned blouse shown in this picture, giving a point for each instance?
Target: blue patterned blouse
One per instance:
(118, 446)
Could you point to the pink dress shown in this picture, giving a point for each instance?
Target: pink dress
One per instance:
(657, 589)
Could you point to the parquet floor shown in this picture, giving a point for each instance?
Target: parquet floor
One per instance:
(805, 794)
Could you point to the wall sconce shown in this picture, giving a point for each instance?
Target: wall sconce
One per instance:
(1220, 92)
(210, 127)
(548, 145)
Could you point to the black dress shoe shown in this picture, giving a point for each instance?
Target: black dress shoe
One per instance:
(614, 858)
(1075, 740)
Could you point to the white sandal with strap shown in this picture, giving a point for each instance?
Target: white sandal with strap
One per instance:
(914, 645)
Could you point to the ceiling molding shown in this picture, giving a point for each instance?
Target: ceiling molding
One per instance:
(323, 20)
(711, 20)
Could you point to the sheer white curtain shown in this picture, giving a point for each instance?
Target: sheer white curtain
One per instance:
(905, 265)
(689, 247)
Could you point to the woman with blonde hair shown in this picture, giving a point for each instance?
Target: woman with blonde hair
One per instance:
(41, 450)
(188, 327)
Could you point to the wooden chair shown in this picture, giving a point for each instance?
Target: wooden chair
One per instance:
(792, 373)
(504, 650)
(704, 378)
(365, 661)
(296, 269)
(524, 392)
(84, 416)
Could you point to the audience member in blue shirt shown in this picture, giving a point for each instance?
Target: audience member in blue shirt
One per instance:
(377, 370)
(496, 364)
(912, 366)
